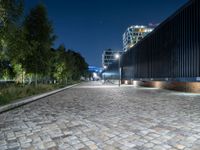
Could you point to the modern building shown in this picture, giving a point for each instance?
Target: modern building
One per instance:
(133, 35)
(108, 57)
(169, 54)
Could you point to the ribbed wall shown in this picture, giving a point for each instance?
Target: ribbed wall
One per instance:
(171, 51)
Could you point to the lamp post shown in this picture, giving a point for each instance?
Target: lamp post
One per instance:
(117, 57)
(105, 67)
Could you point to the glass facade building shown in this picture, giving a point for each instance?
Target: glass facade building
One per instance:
(133, 35)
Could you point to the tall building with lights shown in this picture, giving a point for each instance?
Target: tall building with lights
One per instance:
(134, 34)
(108, 57)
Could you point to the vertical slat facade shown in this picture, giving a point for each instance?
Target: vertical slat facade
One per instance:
(170, 52)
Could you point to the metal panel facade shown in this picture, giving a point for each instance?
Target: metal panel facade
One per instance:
(170, 52)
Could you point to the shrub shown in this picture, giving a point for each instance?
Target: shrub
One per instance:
(14, 92)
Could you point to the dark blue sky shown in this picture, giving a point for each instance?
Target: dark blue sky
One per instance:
(90, 26)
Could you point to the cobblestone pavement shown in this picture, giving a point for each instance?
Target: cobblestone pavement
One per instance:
(96, 117)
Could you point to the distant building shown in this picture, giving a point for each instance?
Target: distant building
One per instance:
(133, 35)
(108, 57)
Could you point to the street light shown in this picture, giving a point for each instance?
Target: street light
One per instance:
(103, 74)
(117, 57)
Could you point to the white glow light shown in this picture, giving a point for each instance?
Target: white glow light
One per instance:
(117, 56)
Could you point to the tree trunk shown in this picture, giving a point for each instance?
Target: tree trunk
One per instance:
(36, 76)
(36, 79)
(22, 77)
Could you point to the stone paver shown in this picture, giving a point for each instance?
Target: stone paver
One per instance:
(92, 116)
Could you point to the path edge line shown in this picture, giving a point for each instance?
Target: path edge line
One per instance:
(31, 99)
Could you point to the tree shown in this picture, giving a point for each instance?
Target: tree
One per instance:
(79, 65)
(10, 12)
(39, 34)
(62, 69)
(58, 63)
(67, 65)
(18, 51)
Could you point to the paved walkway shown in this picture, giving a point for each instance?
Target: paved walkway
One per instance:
(92, 116)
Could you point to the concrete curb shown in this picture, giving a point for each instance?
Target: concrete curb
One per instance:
(31, 99)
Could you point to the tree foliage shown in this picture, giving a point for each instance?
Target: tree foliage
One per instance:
(68, 65)
(10, 11)
(39, 35)
(30, 54)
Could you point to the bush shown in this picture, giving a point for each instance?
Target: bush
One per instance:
(14, 92)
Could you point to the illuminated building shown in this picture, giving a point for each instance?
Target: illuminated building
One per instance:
(133, 35)
(108, 57)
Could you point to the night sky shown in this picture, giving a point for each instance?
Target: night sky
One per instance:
(90, 26)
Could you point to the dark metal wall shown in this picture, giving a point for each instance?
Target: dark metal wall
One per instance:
(170, 52)
(112, 72)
